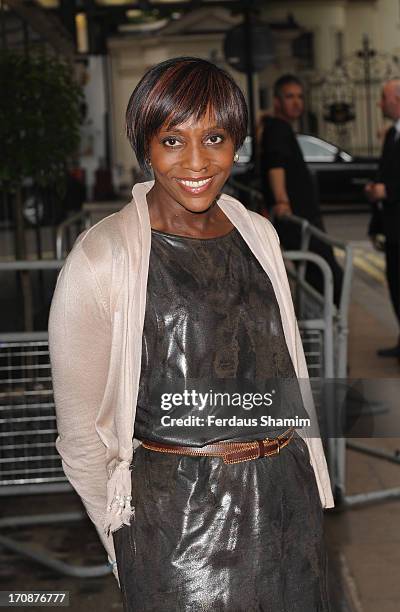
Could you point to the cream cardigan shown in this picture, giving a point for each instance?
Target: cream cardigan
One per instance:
(95, 341)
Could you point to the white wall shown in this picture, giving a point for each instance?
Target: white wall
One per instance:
(380, 20)
(322, 18)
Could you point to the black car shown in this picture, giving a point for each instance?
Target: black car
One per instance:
(340, 177)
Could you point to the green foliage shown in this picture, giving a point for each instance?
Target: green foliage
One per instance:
(40, 114)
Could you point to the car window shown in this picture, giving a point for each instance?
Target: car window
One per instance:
(316, 150)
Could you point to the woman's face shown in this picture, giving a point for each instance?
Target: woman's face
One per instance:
(191, 162)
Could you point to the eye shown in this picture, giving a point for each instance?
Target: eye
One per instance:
(172, 140)
(213, 138)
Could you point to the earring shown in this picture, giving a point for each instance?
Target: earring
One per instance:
(148, 162)
(236, 157)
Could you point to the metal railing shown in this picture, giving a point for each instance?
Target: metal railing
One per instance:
(29, 461)
(337, 357)
(323, 327)
(335, 340)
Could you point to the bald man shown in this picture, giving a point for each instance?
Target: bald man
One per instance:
(387, 191)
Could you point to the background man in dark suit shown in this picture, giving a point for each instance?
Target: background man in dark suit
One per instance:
(387, 190)
(287, 182)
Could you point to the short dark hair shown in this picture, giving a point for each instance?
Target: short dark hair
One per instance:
(178, 89)
(285, 79)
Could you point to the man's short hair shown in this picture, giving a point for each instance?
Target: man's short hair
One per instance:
(286, 79)
(175, 91)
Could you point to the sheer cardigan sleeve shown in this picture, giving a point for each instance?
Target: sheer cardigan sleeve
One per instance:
(79, 345)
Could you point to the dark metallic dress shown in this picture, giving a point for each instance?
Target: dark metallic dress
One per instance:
(207, 535)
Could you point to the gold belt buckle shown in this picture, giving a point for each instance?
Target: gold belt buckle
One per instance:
(278, 442)
(276, 451)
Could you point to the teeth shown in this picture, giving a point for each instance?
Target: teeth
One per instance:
(195, 183)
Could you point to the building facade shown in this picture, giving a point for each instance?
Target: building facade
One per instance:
(343, 50)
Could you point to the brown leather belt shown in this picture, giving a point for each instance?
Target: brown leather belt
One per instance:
(231, 452)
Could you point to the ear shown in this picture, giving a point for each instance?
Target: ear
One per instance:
(277, 104)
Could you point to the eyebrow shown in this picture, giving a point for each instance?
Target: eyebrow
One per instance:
(175, 129)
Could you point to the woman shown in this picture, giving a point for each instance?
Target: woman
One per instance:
(185, 290)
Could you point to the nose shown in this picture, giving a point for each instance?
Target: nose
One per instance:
(195, 158)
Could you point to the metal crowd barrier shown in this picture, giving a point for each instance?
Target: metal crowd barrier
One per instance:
(29, 461)
(323, 329)
(322, 360)
(309, 306)
(340, 327)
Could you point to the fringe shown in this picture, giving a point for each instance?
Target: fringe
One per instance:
(119, 510)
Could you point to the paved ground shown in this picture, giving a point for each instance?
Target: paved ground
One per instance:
(363, 543)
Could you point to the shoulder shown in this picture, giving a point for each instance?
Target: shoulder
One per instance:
(277, 136)
(99, 257)
(264, 225)
(277, 126)
(103, 241)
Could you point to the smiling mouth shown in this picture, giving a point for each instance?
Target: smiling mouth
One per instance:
(195, 186)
